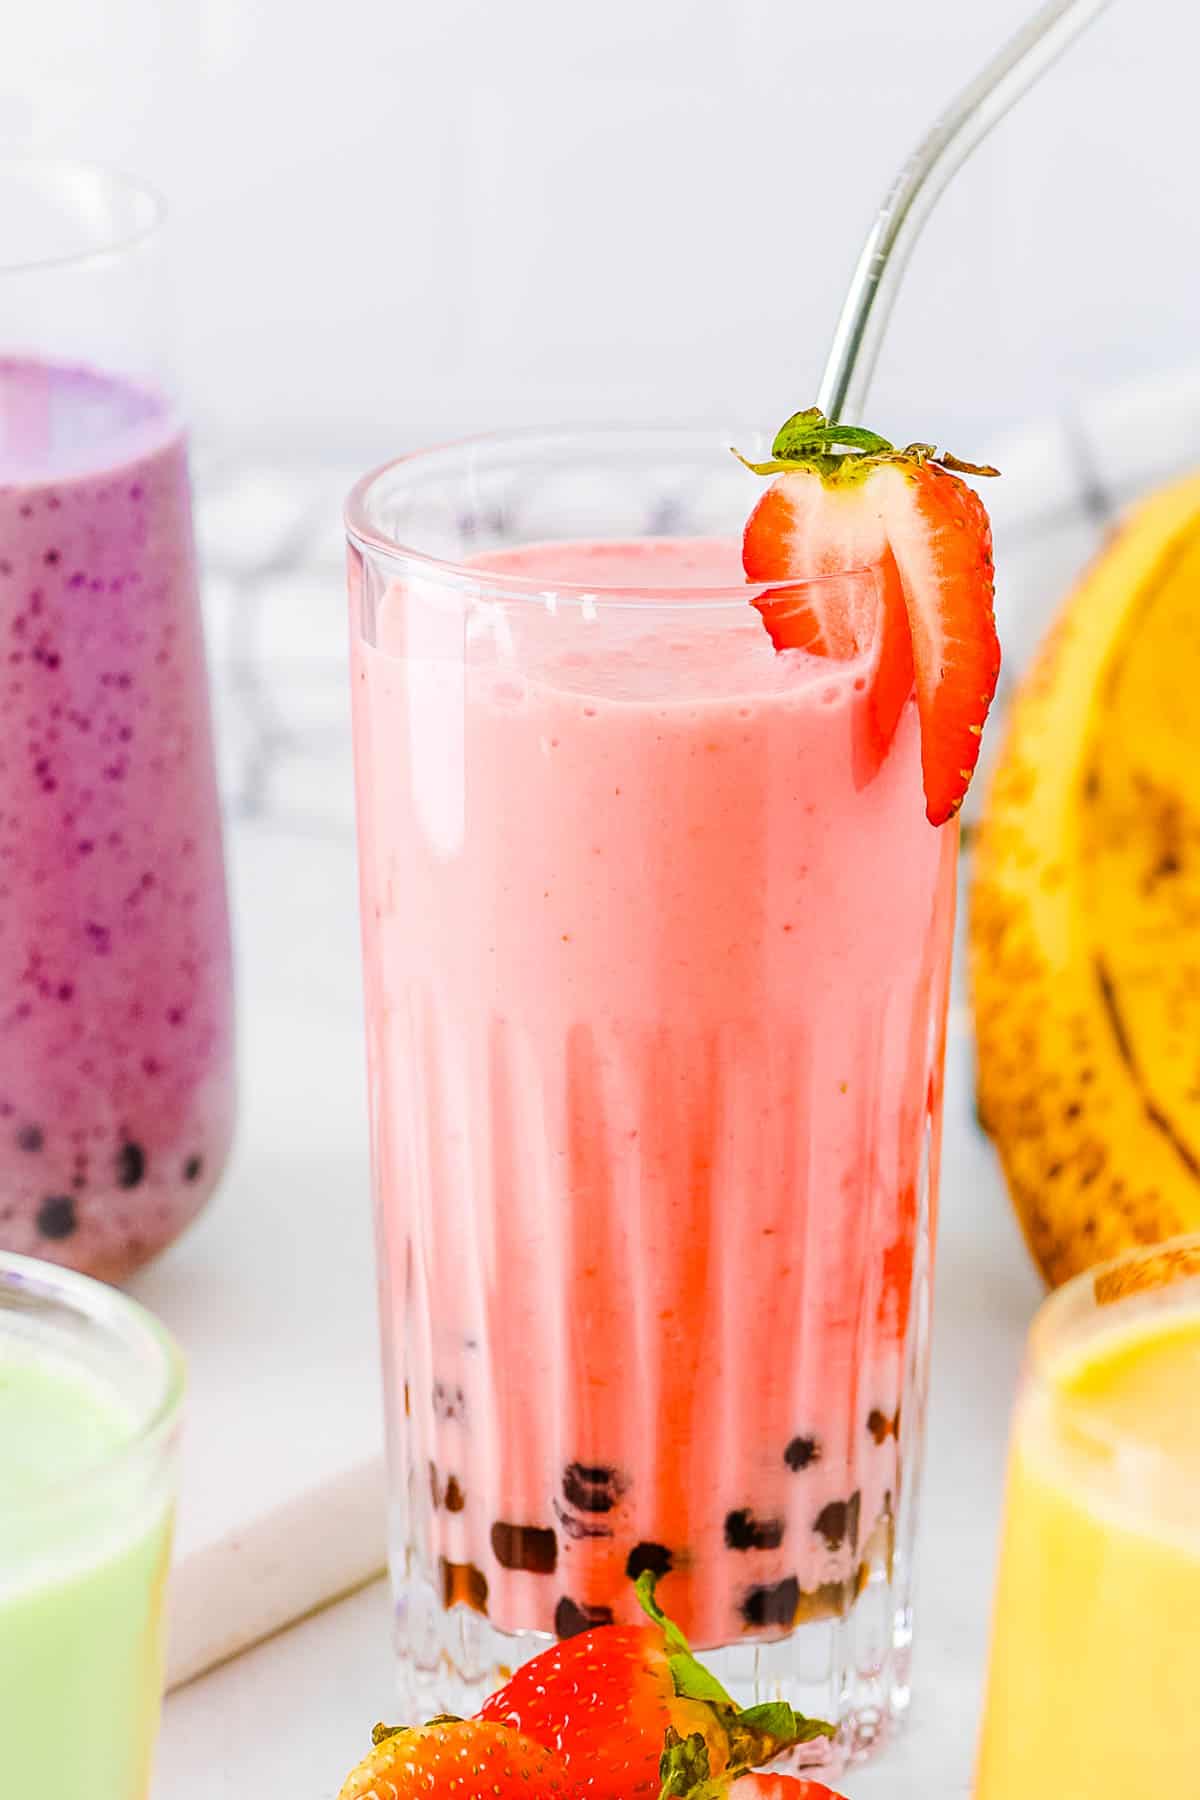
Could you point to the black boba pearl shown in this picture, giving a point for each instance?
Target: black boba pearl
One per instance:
(591, 1487)
(570, 1618)
(31, 1138)
(744, 1532)
(776, 1605)
(801, 1453)
(533, 1548)
(192, 1168)
(56, 1216)
(839, 1520)
(131, 1164)
(653, 1558)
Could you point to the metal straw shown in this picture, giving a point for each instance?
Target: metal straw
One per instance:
(917, 188)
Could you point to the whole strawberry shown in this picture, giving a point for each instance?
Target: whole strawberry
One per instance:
(608, 1700)
(845, 500)
(459, 1757)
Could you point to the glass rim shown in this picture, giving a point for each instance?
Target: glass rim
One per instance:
(117, 181)
(96, 1302)
(1054, 1335)
(368, 536)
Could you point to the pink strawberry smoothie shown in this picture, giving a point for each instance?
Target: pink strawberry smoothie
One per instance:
(657, 949)
(115, 983)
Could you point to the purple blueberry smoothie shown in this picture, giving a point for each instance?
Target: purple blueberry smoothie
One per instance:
(116, 1027)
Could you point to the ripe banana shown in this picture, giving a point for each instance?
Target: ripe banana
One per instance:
(1085, 910)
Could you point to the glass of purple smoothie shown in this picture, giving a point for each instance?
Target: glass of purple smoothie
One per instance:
(116, 1015)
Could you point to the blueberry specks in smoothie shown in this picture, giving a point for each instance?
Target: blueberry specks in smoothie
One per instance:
(56, 1217)
(592, 1488)
(570, 1618)
(131, 1165)
(801, 1453)
(653, 1559)
(533, 1548)
(744, 1532)
(111, 777)
(838, 1521)
(773, 1605)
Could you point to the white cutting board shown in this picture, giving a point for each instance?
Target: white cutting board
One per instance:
(272, 1292)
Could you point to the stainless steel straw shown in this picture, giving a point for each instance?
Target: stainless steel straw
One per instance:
(916, 189)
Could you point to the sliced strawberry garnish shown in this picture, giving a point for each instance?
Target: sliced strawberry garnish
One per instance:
(608, 1700)
(844, 500)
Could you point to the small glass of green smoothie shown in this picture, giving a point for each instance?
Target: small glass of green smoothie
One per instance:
(90, 1392)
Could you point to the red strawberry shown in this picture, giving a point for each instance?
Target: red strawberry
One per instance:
(780, 1787)
(457, 1756)
(606, 1701)
(907, 515)
(685, 1776)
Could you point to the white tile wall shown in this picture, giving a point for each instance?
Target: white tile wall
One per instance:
(398, 217)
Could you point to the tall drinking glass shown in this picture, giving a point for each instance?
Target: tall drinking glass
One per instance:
(656, 948)
(116, 1042)
(90, 1390)
(1096, 1647)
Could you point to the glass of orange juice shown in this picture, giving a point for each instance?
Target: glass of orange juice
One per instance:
(1096, 1639)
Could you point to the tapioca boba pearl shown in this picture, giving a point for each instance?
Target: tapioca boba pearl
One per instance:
(570, 1618)
(56, 1218)
(880, 1427)
(839, 1520)
(463, 1585)
(592, 1488)
(745, 1532)
(31, 1138)
(649, 1559)
(454, 1499)
(531, 1548)
(193, 1168)
(801, 1453)
(581, 1528)
(774, 1605)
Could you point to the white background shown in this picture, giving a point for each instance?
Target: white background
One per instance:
(397, 219)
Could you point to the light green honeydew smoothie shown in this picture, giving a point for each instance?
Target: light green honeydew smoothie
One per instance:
(83, 1565)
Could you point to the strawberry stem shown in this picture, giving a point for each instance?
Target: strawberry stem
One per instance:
(754, 1735)
(809, 441)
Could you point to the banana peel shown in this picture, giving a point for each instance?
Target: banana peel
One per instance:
(1085, 908)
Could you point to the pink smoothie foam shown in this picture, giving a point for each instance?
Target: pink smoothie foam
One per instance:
(116, 1091)
(656, 967)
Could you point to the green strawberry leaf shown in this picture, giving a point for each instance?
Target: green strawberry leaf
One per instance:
(694, 1682)
(845, 454)
(760, 1733)
(809, 433)
(683, 1769)
(644, 1587)
(958, 467)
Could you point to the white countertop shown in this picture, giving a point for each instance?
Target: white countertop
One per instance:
(272, 1293)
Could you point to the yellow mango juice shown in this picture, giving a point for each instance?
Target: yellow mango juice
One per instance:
(1094, 1688)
